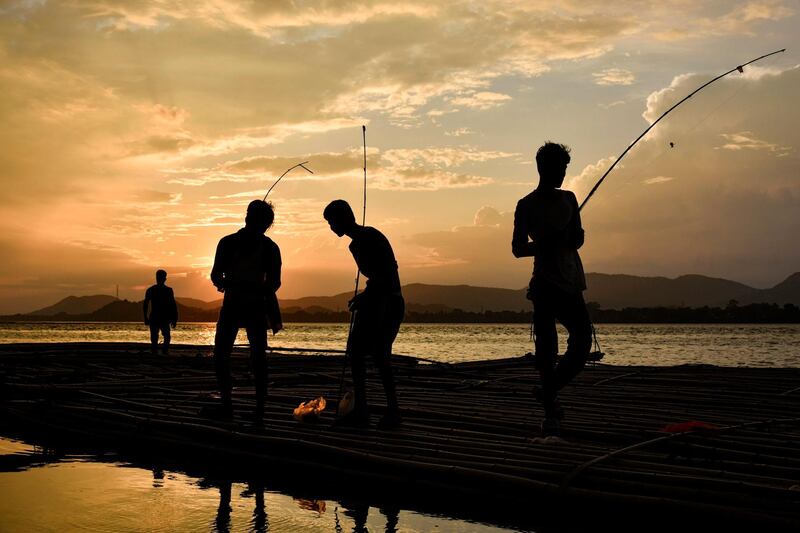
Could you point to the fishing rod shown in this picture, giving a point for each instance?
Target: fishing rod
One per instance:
(303, 165)
(364, 201)
(339, 410)
(739, 68)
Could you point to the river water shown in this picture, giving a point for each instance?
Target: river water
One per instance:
(757, 345)
(79, 492)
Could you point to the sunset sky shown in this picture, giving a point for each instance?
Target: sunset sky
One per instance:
(135, 133)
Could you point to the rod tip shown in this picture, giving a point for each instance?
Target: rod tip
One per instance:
(363, 128)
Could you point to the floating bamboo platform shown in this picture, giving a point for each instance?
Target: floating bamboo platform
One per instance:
(470, 431)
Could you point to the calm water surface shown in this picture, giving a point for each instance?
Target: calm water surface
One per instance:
(82, 493)
(758, 345)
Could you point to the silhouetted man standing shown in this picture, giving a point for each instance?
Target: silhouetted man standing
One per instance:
(163, 311)
(247, 268)
(378, 309)
(547, 226)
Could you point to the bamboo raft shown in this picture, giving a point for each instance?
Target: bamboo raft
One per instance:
(470, 431)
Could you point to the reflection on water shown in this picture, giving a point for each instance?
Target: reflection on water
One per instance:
(255, 489)
(757, 345)
(43, 491)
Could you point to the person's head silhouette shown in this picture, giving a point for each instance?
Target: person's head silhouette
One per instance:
(340, 217)
(551, 161)
(260, 216)
(161, 276)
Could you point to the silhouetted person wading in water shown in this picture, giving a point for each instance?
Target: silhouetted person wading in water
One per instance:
(547, 226)
(247, 268)
(379, 310)
(163, 311)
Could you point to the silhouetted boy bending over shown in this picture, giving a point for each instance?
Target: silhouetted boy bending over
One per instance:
(379, 310)
(163, 311)
(547, 226)
(247, 268)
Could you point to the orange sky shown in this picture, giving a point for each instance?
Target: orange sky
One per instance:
(135, 133)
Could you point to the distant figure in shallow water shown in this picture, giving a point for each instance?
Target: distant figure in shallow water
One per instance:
(247, 268)
(378, 309)
(163, 311)
(547, 226)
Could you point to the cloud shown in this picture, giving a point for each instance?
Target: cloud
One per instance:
(394, 169)
(696, 208)
(481, 100)
(656, 180)
(478, 253)
(488, 216)
(152, 123)
(740, 19)
(614, 76)
(428, 180)
(158, 197)
(745, 140)
(268, 19)
(729, 203)
(589, 175)
(459, 132)
(33, 281)
(612, 104)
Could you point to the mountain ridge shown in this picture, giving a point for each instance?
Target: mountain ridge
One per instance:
(609, 291)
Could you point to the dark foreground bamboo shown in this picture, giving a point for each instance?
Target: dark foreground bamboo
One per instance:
(469, 432)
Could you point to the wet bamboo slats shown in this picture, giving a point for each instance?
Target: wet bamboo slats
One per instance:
(470, 429)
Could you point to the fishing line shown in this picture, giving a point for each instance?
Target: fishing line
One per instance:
(739, 68)
(697, 124)
(664, 150)
(670, 147)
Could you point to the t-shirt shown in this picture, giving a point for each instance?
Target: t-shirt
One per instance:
(375, 259)
(551, 219)
(162, 303)
(248, 266)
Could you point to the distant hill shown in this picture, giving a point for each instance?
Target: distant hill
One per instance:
(76, 305)
(199, 304)
(127, 311)
(432, 298)
(616, 291)
(610, 291)
(785, 292)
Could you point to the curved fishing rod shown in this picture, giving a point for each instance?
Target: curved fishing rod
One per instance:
(739, 68)
(303, 165)
(339, 410)
(364, 201)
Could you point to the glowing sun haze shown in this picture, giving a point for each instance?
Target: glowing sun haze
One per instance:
(135, 133)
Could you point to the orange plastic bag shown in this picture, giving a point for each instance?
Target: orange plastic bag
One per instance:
(309, 411)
